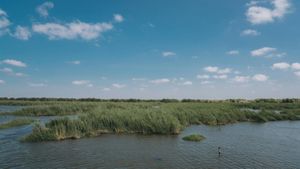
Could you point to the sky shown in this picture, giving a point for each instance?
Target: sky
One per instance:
(198, 49)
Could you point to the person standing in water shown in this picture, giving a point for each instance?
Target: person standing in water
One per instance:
(219, 151)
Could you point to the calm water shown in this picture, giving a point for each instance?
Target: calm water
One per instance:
(9, 108)
(243, 145)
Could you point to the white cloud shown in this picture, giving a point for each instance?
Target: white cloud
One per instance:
(281, 8)
(6, 70)
(260, 77)
(73, 30)
(241, 79)
(187, 83)
(286, 66)
(250, 32)
(203, 76)
(205, 82)
(20, 74)
(168, 53)
(237, 72)
(281, 66)
(118, 18)
(2, 13)
(251, 3)
(220, 76)
(4, 22)
(118, 86)
(174, 80)
(211, 69)
(261, 15)
(22, 33)
(224, 71)
(9, 71)
(103, 78)
(233, 52)
(37, 84)
(296, 66)
(14, 63)
(81, 82)
(160, 81)
(43, 9)
(279, 55)
(75, 62)
(265, 51)
(297, 74)
(215, 69)
(2, 81)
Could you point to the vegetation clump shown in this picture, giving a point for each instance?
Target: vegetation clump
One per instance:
(194, 137)
(16, 123)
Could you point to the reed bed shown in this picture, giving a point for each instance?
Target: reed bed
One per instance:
(147, 117)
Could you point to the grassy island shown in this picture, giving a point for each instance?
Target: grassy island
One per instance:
(194, 137)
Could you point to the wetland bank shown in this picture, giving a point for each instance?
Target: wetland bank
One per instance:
(95, 117)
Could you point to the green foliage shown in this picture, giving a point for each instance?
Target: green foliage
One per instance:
(40, 133)
(16, 123)
(55, 109)
(194, 137)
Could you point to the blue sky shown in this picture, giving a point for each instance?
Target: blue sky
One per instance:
(204, 49)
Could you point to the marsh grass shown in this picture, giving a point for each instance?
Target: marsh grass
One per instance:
(16, 123)
(167, 118)
(55, 109)
(194, 137)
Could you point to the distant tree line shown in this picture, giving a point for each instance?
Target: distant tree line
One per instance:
(287, 100)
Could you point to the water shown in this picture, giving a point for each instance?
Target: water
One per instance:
(243, 145)
(42, 119)
(9, 108)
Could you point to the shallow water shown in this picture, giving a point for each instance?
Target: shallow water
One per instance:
(9, 108)
(243, 145)
(42, 119)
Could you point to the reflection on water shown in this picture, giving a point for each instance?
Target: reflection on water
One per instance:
(243, 145)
